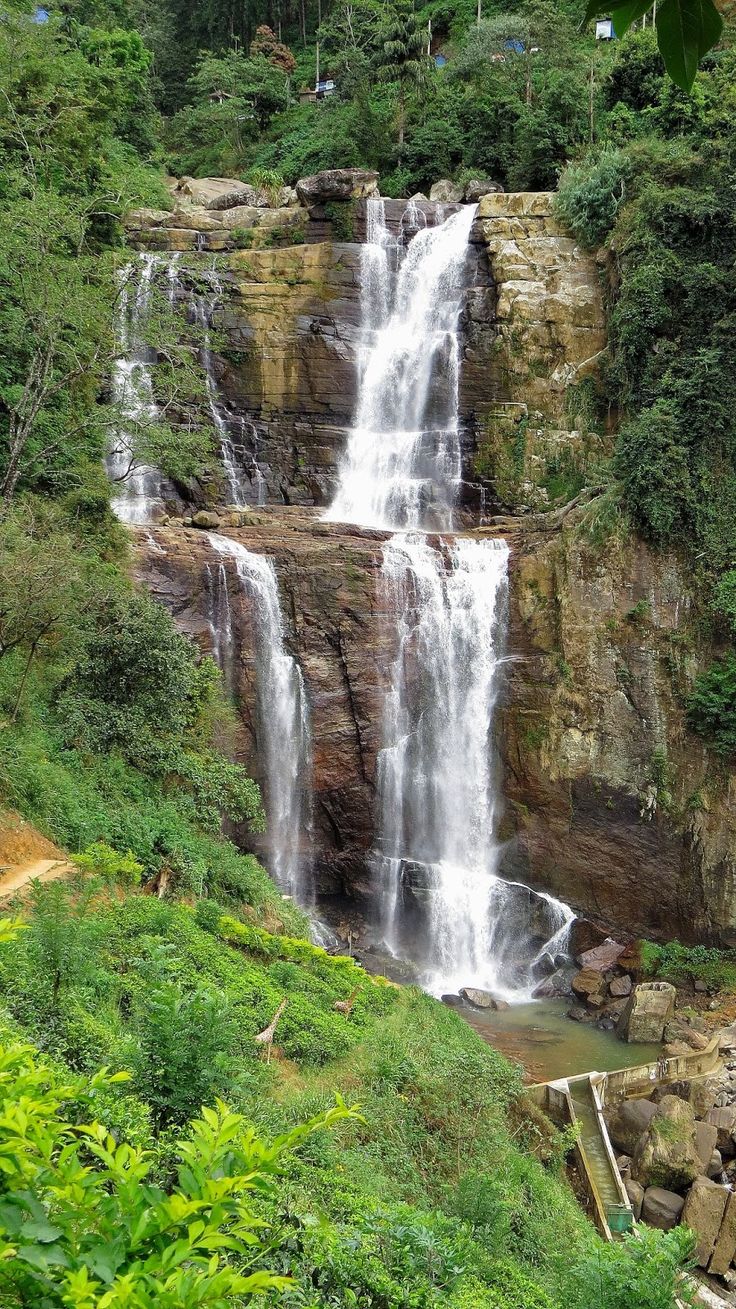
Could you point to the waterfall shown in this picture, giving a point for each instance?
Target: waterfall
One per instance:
(435, 776)
(438, 794)
(283, 733)
(137, 495)
(204, 307)
(402, 463)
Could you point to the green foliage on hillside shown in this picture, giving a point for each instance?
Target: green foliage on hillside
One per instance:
(437, 1194)
(660, 194)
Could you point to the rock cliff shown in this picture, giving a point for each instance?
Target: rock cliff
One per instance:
(612, 805)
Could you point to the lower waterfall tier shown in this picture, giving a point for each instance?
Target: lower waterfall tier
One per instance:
(582, 817)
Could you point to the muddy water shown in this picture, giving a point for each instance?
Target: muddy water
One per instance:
(547, 1044)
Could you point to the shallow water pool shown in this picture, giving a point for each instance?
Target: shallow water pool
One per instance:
(548, 1044)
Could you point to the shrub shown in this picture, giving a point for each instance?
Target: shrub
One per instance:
(83, 1224)
(101, 859)
(591, 193)
(711, 706)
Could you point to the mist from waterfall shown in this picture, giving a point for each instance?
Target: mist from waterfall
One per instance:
(283, 734)
(402, 464)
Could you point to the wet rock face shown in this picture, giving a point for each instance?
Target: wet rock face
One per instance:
(290, 335)
(327, 583)
(612, 805)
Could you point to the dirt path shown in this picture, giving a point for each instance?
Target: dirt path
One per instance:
(15, 878)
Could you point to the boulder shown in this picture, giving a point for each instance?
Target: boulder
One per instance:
(204, 518)
(419, 198)
(715, 1165)
(138, 219)
(700, 1092)
(194, 218)
(479, 999)
(661, 1208)
(636, 1193)
(287, 197)
(649, 1008)
(556, 985)
(446, 192)
(724, 1121)
(623, 1163)
(452, 1001)
(665, 1155)
(725, 1246)
(476, 189)
(337, 184)
(544, 966)
(220, 192)
(683, 1034)
(705, 1142)
(620, 986)
(703, 1212)
(627, 1123)
(601, 957)
(589, 985)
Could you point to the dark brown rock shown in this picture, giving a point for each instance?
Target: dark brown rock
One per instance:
(703, 1212)
(601, 957)
(588, 984)
(628, 1121)
(661, 1208)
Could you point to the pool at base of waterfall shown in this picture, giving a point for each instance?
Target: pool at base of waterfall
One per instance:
(539, 1035)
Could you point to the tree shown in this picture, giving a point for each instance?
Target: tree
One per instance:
(84, 1224)
(44, 590)
(686, 30)
(265, 43)
(404, 59)
(234, 98)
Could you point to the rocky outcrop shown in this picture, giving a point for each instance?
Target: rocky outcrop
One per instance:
(337, 184)
(535, 439)
(612, 804)
(446, 192)
(327, 579)
(219, 192)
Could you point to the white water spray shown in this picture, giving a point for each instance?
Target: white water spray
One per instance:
(402, 463)
(437, 847)
(137, 495)
(282, 730)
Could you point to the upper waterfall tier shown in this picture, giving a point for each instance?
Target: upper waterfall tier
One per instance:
(402, 464)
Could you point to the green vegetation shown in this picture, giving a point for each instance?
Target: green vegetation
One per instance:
(659, 192)
(683, 963)
(444, 1189)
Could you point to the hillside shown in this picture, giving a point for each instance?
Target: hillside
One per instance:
(367, 575)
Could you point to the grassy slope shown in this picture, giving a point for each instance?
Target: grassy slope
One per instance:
(416, 1204)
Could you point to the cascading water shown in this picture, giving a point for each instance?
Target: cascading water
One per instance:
(402, 463)
(437, 849)
(204, 307)
(282, 730)
(138, 488)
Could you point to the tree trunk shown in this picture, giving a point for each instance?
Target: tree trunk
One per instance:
(23, 681)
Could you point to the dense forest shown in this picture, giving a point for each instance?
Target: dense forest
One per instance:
(429, 1180)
